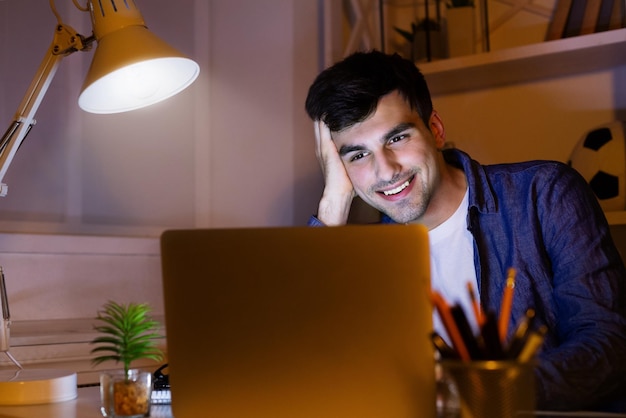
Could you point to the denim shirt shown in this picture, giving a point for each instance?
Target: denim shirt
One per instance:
(541, 218)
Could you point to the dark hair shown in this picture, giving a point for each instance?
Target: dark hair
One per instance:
(348, 92)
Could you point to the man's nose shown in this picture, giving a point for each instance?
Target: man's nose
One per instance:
(387, 165)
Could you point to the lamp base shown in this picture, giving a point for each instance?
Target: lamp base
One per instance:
(37, 386)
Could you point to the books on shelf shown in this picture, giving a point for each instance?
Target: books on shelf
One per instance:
(581, 17)
(559, 19)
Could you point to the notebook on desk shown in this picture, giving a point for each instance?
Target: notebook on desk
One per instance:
(299, 322)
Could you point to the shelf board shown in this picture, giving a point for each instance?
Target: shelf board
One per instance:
(526, 63)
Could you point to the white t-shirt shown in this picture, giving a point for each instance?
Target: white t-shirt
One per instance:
(452, 264)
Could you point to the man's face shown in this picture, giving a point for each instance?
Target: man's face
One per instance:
(392, 159)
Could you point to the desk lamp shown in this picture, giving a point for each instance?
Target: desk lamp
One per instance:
(131, 68)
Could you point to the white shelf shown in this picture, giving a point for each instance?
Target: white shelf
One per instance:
(556, 58)
(63, 344)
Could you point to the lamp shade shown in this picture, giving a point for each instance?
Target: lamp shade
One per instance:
(131, 67)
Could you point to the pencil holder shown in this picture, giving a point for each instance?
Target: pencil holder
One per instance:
(503, 389)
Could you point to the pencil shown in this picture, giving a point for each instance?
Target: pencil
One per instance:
(521, 334)
(490, 336)
(442, 347)
(465, 330)
(448, 322)
(475, 305)
(506, 304)
(533, 344)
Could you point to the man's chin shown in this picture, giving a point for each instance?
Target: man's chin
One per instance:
(399, 212)
(402, 219)
(403, 216)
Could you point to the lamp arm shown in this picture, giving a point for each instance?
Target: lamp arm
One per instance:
(66, 41)
(6, 317)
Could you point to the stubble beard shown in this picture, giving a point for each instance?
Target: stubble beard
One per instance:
(408, 211)
(411, 208)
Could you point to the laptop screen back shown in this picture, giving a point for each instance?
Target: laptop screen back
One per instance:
(299, 322)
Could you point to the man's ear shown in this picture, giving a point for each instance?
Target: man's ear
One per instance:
(436, 127)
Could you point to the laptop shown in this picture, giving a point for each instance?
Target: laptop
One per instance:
(299, 322)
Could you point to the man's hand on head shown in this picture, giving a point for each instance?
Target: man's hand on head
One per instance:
(334, 206)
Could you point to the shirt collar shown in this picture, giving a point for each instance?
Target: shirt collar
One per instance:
(481, 195)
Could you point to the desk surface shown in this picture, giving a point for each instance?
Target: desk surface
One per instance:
(87, 405)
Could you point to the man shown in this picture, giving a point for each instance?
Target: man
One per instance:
(379, 138)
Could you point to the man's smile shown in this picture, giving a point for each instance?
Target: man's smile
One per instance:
(398, 189)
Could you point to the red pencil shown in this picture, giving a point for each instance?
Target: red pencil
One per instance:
(448, 321)
(506, 304)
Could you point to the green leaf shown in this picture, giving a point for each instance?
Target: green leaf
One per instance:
(128, 334)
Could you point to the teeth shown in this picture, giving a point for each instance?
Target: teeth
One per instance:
(397, 189)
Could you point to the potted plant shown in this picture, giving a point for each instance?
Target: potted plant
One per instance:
(128, 334)
(423, 40)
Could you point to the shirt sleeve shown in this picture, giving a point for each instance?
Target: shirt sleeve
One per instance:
(313, 221)
(586, 366)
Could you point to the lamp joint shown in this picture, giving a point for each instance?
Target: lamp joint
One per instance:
(67, 40)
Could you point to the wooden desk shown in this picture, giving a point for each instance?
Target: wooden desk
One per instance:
(87, 405)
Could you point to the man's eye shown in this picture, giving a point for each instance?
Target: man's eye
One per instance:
(397, 138)
(357, 156)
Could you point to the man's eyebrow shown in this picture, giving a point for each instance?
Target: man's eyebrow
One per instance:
(401, 127)
(347, 149)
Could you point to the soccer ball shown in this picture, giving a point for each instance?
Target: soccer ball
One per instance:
(600, 156)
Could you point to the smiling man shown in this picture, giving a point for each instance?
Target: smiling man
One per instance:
(393, 162)
(379, 138)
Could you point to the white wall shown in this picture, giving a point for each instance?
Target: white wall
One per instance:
(220, 154)
(543, 119)
(235, 149)
(263, 56)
